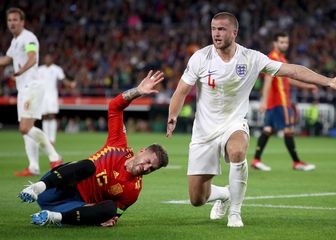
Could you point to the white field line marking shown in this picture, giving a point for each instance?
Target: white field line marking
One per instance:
(266, 197)
(293, 196)
(173, 167)
(288, 206)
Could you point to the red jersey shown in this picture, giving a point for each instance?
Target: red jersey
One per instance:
(279, 94)
(111, 181)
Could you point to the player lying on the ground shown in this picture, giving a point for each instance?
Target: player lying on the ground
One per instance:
(96, 191)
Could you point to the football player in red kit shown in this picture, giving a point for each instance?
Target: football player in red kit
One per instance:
(96, 191)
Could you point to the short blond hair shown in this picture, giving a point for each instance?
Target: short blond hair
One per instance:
(16, 10)
(226, 15)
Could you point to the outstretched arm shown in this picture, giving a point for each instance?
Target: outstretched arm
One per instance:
(147, 86)
(176, 104)
(304, 74)
(303, 85)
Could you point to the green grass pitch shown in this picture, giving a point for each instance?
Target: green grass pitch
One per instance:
(291, 212)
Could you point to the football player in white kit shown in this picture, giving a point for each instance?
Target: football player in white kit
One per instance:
(50, 74)
(224, 74)
(23, 54)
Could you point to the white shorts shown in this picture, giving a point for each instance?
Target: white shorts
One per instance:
(204, 158)
(50, 105)
(29, 102)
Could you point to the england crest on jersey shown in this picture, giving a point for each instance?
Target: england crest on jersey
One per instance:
(241, 70)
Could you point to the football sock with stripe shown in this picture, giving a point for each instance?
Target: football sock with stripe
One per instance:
(290, 144)
(262, 141)
(69, 174)
(90, 215)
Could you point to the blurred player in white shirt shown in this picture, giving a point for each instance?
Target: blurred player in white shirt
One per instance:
(50, 74)
(23, 54)
(224, 74)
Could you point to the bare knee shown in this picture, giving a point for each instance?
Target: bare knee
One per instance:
(197, 201)
(237, 155)
(199, 189)
(25, 125)
(24, 129)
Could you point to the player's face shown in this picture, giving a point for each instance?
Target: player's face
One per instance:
(223, 33)
(14, 23)
(48, 60)
(144, 163)
(282, 44)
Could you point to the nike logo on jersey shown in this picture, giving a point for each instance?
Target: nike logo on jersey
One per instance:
(211, 72)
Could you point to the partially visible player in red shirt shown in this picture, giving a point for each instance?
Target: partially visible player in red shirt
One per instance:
(279, 115)
(96, 191)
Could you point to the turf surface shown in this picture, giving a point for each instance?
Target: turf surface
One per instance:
(297, 215)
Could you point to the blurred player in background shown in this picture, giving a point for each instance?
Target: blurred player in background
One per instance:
(96, 191)
(279, 115)
(224, 74)
(23, 53)
(50, 74)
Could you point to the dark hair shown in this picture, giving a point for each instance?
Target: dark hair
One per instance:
(16, 10)
(161, 154)
(279, 34)
(226, 15)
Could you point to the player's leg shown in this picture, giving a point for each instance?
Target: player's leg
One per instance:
(32, 152)
(199, 189)
(32, 109)
(64, 175)
(46, 124)
(85, 215)
(31, 146)
(262, 141)
(286, 122)
(235, 149)
(52, 128)
(203, 164)
(290, 145)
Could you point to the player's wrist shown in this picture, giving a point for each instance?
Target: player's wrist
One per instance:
(18, 73)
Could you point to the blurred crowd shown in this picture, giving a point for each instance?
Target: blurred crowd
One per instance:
(106, 46)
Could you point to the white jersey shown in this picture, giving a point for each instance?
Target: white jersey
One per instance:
(223, 88)
(49, 75)
(17, 51)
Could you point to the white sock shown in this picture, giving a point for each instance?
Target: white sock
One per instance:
(45, 127)
(56, 217)
(238, 182)
(39, 187)
(218, 193)
(52, 130)
(32, 151)
(40, 137)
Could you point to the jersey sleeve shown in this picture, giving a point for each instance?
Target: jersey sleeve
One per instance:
(9, 52)
(267, 65)
(116, 129)
(191, 73)
(60, 74)
(30, 44)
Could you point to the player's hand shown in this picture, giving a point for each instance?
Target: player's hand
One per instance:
(111, 222)
(148, 84)
(332, 83)
(73, 84)
(171, 124)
